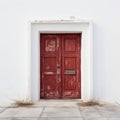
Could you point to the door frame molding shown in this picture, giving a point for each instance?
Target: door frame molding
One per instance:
(60, 26)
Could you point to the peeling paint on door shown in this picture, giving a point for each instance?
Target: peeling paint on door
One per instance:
(50, 45)
(60, 66)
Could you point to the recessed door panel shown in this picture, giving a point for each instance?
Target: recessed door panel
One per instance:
(70, 63)
(70, 45)
(50, 64)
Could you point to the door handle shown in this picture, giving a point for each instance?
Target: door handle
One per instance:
(58, 66)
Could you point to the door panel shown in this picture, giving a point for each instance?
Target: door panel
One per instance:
(60, 66)
(69, 45)
(49, 60)
(70, 63)
(71, 66)
(69, 81)
(50, 64)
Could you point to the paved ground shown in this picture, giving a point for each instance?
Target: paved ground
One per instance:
(61, 110)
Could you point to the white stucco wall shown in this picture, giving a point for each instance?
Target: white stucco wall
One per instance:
(14, 17)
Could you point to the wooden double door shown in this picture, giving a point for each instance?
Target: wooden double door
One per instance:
(60, 68)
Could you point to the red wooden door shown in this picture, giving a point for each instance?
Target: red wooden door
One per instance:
(50, 73)
(71, 66)
(60, 66)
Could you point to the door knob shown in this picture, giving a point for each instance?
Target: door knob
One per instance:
(58, 66)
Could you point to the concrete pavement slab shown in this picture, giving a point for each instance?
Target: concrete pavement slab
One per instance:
(55, 118)
(109, 111)
(88, 109)
(95, 118)
(109, 107)
(113, 119)
(112, 108)
(61, 112)
(18, 118)
(61, 104)
(40, 104)
(58, 110)
(89, 113)
(21, 112)
(110, 114)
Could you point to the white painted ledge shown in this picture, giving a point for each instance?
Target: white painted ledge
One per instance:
(60, 21)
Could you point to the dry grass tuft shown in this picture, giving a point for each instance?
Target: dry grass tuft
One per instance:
(89, 103)
(22, 103)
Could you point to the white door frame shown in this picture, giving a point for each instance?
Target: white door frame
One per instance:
(58, 26)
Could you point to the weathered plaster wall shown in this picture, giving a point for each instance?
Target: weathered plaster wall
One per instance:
(14, 17)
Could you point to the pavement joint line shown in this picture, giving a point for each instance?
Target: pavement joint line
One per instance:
(63, 117)
(41, 112)
(59, 107)
(4, 109)
(81, 113)
(98, 111)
